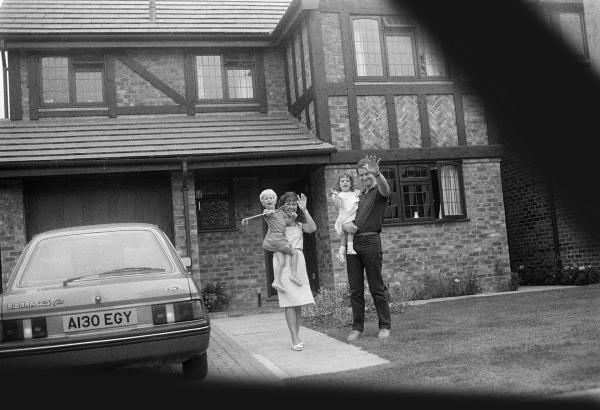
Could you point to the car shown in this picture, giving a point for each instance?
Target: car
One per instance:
(103, 295)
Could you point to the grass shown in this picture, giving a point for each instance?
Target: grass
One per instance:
(514, 343)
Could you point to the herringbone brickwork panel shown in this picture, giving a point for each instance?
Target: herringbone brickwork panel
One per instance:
(475, 124)
(373, 122)
(442, 120)
(340, 122)
(408, 121)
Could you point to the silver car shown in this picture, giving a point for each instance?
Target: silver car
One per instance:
(94, 295)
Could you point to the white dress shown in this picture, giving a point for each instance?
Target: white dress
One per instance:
(294, 295)
(348, 206)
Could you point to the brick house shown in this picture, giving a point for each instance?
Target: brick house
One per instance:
(542, 233)
(179, 115)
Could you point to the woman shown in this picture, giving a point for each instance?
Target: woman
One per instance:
(296, 296)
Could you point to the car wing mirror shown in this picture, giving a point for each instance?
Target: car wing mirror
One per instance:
(187, 262)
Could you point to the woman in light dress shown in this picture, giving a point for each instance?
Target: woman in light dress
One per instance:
(296, 296)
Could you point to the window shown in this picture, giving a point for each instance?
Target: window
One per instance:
(215, 205)
(392, 47)
(72, 80)
(225, 77)
(567, 20)
(424, 191)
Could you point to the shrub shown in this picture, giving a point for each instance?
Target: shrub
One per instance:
(215, 297)
(513, 281)
(432, 286)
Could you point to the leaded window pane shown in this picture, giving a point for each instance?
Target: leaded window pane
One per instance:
(400, 56)
(367, 47)
(209, 77)
(55, 80)
(88, 87)
(431, 58)
(571, 30)
(240, 85)
(450, 190)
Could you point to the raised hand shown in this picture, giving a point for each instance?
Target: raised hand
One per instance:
(372, 165)
(302, 202)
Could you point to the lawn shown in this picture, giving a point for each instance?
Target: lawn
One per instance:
(543, 342)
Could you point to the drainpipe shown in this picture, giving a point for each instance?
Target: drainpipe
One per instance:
(4, 79)
(186, 215)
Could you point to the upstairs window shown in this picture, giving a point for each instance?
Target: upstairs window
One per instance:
(225, 77)
(424, 192)
(568, 21)
(72, 80)
(394, 47)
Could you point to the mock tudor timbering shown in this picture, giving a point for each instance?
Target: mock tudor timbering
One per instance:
(310, 117)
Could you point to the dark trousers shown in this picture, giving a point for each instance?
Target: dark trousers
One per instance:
(368, 260)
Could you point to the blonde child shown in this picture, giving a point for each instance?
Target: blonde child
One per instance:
(275, 240)
(345, 198)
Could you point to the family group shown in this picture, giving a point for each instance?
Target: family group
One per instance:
(360, 215)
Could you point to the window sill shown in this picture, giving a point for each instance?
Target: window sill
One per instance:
(423, 221)
(217, 230)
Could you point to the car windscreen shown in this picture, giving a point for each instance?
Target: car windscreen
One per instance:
(60, 258)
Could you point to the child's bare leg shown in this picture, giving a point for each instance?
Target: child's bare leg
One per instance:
(350, 229)
(277, 269)
(342, 251)
(294, 265)
(292, 256)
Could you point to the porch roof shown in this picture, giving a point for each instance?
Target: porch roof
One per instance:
(155, 139)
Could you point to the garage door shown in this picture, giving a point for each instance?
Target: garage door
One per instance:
(60, 204)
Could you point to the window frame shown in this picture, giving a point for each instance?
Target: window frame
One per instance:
(230, 197)
(73, 69)
(435, 190)
(225, 59)
(551, 13)
(411, 29)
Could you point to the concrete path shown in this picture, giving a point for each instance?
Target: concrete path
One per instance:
(266, 337)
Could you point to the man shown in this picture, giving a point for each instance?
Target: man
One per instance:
(367, 245)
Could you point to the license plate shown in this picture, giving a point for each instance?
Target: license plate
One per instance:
(99, 320)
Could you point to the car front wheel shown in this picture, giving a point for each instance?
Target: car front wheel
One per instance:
(196, 367)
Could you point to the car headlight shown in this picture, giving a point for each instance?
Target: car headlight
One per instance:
(177, 312)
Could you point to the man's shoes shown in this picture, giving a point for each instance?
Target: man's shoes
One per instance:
(383, 333)
(354, 334)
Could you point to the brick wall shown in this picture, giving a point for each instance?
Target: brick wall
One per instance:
(475, 124)
(275, 81)
(332, 47)
(478, 246)
(340, 122)
(12, 225)
(133, 90)
(442, 120)
(527, 210)
(528, 203)
(577, 246)
(320, 213)
(237, 257)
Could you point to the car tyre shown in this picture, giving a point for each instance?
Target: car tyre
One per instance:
(196, 368)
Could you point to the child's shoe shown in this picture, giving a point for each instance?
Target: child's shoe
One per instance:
(341, 254)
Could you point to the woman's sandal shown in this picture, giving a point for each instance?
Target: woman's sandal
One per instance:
(298, 347)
